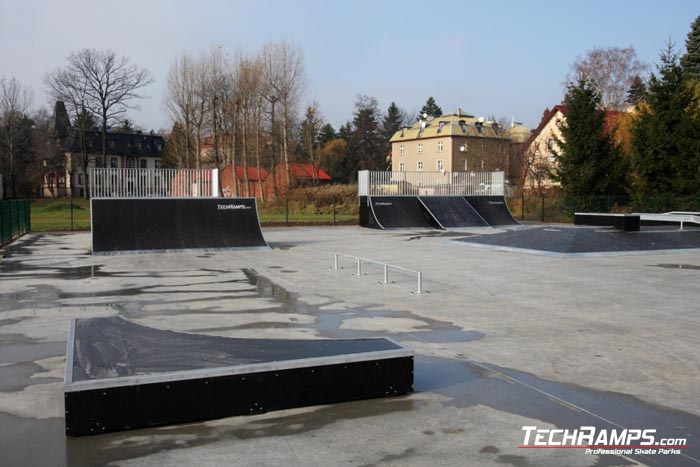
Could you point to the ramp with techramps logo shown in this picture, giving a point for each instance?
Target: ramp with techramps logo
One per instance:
(452, 211)
(493, 209)
(147, 225)
(121, 375)
(434, 212)
(396, 212)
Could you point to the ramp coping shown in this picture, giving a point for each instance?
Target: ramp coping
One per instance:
(386, 267)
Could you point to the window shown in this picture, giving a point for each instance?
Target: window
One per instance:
(80, 179)
(402, 150)
(130, 163)
(144, 163)
(157, 164)
(464, 165)
(402, 166)
(420, 166)
(439, 146)
(113, 163)
(420, 148)
(440, 167)
(550, 143)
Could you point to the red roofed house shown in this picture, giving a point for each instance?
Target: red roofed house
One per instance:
(255, 180)
(301, 175)
(539, 156)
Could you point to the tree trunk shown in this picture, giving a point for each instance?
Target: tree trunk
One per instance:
(244, 147)
(257, 151)
(285, 123)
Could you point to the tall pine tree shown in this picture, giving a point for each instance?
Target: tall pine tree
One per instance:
(665, 149)
(691, 60)
(431, 108)
(589, 163)
(392, 122)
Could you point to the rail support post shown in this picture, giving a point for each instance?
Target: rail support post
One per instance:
(420, 282)
(359, 267)
(386, 274)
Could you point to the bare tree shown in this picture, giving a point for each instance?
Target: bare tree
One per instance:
(179, 100)
(111, 84)
(15, 100)
(71, 89)
(612, 70)
(284, 72)
(310, 128)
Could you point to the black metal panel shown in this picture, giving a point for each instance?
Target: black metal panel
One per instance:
(626, 222)
(453, 211)
(122, 408)
(493, 209)
(396, 212)
(142, 224)
(365, 213)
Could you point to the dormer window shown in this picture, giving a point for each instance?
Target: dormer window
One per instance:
(463, 126)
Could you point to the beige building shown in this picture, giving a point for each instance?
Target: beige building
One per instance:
(453, 143)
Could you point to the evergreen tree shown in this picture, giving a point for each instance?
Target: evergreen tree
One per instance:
(392, 122)
(366, 143)
(665, 135)
(431, 108)
(345, 132)
(691, 60)
(636, 92)
(588, 161)
(326, 134)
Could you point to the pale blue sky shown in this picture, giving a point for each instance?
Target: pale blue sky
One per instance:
(505, 58)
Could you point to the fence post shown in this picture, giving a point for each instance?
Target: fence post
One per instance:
(2, 222)
(522, 206)
(71, 206)
(542, 208)
(333, 209)
(29, 216)
(287, 211)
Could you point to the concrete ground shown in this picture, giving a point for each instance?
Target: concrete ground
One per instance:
(502, 340)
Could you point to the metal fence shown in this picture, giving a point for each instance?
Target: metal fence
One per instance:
(379, 183)
(14, 219)
(159, 183)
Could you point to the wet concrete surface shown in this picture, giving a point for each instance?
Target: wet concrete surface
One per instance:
(465, 411)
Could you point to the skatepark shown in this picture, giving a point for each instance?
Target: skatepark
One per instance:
(501, 338)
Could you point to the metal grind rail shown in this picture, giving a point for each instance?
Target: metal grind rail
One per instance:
(386, 266)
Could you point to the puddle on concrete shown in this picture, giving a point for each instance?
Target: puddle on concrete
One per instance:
(17, 376)
(18, 349)
(676, 266)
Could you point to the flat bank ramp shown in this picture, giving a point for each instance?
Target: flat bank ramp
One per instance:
(138, 225)
(401, 212)
(453, 211)
(493, 209)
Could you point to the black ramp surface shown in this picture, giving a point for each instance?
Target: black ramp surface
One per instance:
(493, 209)
(114, 347)
(143, 224)
(396, 212)
(453, 211)
(589, 240)
(120, 375)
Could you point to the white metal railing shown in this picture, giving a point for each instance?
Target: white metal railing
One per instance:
(384, 183)
(387, 267)
(158, 183)
(680, 217)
